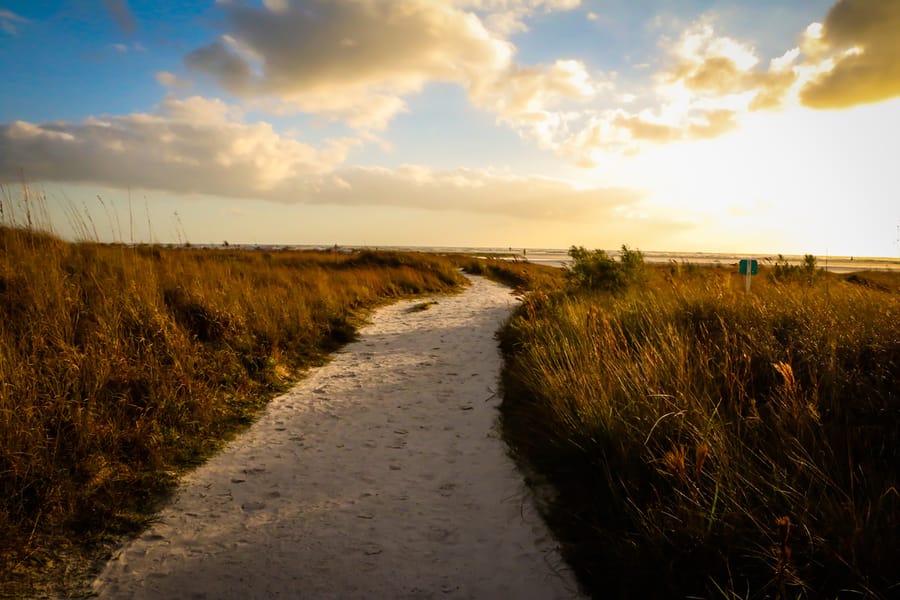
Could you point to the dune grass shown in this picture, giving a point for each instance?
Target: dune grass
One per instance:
(520, 275)
(121, 366)
(708, 443)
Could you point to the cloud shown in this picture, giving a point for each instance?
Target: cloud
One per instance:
(860, 43)
(357, 60)
(126, 48)
(192, 145)
(713, 79)
(709, 124)
(507, 17)
(173, 81)
(351, 60)
(724, 73)
(710, 81)
(8, 21)
(852, 58)
(203, 146)
(474, 191)
(537, 100)
(495, 5)
(122, 15)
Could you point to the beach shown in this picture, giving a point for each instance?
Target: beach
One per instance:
(380, 475)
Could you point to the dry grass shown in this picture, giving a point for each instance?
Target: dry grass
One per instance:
(520, 275)
(710, 443)
(121, 366)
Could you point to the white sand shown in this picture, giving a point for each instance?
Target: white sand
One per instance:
(381, 475)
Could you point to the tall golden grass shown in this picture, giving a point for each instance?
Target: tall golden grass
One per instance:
(709, 443)
(518, 274)
(121, 365)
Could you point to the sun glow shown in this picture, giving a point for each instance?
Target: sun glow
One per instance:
(823, 176)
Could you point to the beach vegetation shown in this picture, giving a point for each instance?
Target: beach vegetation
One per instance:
(597, 270)
(706, 442)
(807, 270)
(520, 275)
(123, 365)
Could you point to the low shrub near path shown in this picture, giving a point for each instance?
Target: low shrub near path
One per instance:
(121, 366)
(705, 442)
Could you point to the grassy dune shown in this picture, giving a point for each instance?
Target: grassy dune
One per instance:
(709, 443)
(703, 442)
(520, 275)
(121, 366)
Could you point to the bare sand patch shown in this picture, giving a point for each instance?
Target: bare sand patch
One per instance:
(380, 475)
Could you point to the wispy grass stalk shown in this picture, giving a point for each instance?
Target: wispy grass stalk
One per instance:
(705, 441)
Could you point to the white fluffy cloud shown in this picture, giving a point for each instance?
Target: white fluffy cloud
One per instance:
(203, 146)
(173, 81)
(350, 59)
(539, 100)
(711, 80)
(192, 145)
(719, 72)
(356, 60)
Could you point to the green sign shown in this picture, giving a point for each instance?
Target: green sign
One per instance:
(754, 266)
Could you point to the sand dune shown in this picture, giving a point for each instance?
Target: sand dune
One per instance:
(381, 475)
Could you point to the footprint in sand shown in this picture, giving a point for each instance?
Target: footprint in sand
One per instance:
(446, 489)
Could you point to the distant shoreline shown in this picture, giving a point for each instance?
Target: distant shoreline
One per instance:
(832, 264)
(558, 257)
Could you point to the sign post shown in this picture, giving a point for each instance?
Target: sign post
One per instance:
(748, 267)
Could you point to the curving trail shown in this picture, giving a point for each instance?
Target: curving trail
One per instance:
(380, 475)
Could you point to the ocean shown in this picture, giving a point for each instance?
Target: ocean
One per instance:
(558, 257)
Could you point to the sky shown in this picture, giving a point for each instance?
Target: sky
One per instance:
(733, 126)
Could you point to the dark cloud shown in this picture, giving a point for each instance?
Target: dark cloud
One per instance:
(122, 15)
(227, 65)
(872, 73)
(348, 59)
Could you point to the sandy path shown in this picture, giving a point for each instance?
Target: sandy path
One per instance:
(381, 475)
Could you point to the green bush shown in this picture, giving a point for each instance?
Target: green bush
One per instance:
(784, 271)
(597, 270)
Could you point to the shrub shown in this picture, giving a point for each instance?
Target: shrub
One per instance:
(596, 270)
(807, 271)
